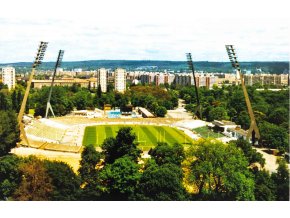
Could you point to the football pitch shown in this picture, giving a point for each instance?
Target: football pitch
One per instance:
(147, 136)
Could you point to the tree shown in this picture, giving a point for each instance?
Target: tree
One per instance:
(160, 111)
(161, 183)
(120, 179)
(9, 132)
(243, 119)
(250, 153)
(123, 144)
(99, 92)
(281, 180)
(273, 136)
(15, 103)
(66, 184)
(279, 115)
(82, 100)
(35, 184)
(218, 113)
(4, 100)
(90, 158)
(9, 175)
(89, 174)
(264, 186)
(219, 171)
(61, 101)
(164, 153)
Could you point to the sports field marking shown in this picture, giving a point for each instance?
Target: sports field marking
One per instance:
(146, 135)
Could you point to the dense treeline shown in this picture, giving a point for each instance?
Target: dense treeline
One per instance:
(272, 67)
(228, 103)
(207, 170)
(66, 98)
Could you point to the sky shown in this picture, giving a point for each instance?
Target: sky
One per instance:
(144, 29)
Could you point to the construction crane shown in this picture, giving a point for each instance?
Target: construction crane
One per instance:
(198, 114)
(253, 130)
(38, 59)
(57, 65)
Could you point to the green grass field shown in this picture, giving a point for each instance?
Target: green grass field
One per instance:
(205, 132)
(147, 135)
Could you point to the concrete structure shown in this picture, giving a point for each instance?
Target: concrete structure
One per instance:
(8, 77)
(238, 133)
(147, 78)
(159, 79)
(145, 113)
(102, 79)
(224, 126)
(64, 82)
(267, 79)
(202, 80)
(120, 80)
(184, 79)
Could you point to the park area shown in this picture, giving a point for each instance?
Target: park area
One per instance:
(147, 135)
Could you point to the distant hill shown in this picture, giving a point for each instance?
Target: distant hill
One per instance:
(254, 67)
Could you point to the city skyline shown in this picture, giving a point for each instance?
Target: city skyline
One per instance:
(145, 31)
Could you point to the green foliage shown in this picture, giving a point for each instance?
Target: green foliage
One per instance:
(160, 111)
(243, 120)
(61, 100)
(281, 180)
(5, 102)
(9, 131)
(279, 115)
(120, 179)
(250, 153)
(161, 183)
(218, 113)
(264, 186)
(164, 153)
(9, 175)
(219, 171)
(83, 99)
(153, 98)
(273, 136)
(35, 184)
(90, 158)
(66, 184)
(123, 144)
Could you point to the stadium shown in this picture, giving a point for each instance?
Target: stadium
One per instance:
(70, 133)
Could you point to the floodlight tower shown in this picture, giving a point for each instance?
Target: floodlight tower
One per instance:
(38, 59)
(198, 113)
(253, 130)
(57, 65)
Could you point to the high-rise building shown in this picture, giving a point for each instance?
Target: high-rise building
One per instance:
(8, 77)
(120, 80)
(102, 79)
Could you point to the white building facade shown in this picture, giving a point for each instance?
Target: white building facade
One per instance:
(8, 77)
(120, 80)
(102, 79)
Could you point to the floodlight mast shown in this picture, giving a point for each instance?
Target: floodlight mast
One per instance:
(191, 68)
(38, 60)
(57, 65)
(253, 130)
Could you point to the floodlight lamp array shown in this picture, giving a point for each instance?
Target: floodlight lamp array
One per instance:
(59, 59)
(40, 54)
(233, 56)
(189, 61)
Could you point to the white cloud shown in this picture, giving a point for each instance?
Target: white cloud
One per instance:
(127, 29)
